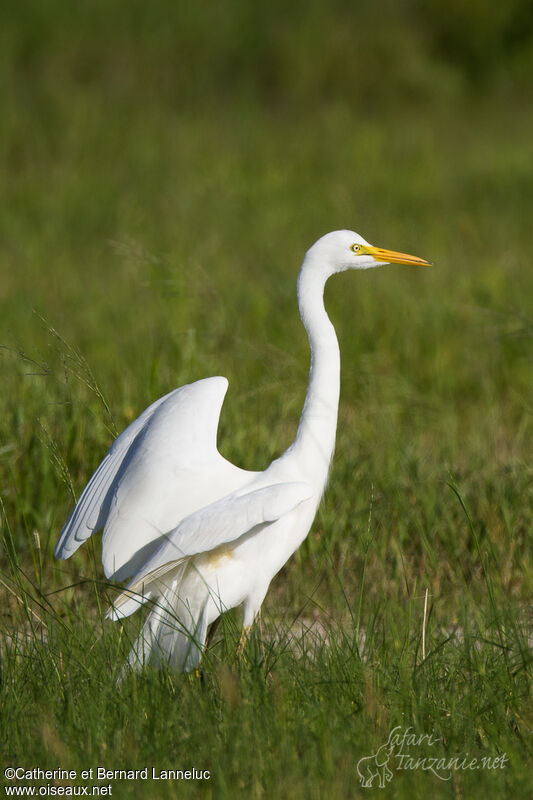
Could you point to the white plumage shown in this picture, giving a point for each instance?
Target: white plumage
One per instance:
(196, 534)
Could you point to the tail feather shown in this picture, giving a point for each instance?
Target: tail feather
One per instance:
(151, 586)
(174, 632)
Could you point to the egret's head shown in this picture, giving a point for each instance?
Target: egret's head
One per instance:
(342, 250)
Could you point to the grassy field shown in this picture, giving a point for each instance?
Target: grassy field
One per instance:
(162, 171)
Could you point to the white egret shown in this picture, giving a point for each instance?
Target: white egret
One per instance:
(196, 534)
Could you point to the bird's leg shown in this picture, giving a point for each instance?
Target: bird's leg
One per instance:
(211, 632)
(245, 633)
(260, 623)
(199, 671)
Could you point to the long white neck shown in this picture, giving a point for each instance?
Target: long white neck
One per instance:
(315, 439)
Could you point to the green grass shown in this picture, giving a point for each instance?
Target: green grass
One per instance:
(162, 172)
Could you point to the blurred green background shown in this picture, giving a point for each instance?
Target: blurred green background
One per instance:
(163, 168)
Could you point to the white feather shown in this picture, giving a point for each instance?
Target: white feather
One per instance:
(198, 534)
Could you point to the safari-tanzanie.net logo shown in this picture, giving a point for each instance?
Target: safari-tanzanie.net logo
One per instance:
(408, 750)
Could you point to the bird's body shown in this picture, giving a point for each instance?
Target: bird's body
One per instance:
(196, 534)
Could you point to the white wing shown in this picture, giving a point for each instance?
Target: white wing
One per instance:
(90, 512)
(163, 467)
(219, 523)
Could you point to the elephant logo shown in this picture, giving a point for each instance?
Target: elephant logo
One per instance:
(376, 766)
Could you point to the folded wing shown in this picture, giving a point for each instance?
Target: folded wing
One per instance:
(220, 523)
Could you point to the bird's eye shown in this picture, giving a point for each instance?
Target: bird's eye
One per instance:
(355, 247)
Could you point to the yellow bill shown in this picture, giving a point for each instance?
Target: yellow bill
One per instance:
(393, 257)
